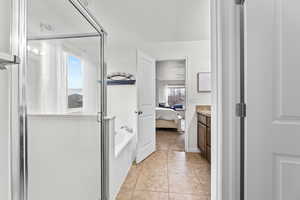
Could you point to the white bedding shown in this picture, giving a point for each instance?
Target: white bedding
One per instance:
(166, 114)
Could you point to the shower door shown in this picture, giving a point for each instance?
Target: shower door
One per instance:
(65, 103)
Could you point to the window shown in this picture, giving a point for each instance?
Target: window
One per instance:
(74, 83)
(176, 95)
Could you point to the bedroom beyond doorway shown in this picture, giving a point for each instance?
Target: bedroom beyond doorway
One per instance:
(171, 172)
(171, 102)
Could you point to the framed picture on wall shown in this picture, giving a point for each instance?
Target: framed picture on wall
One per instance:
(204, 81)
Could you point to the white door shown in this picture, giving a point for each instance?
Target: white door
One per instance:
(146, 105)
(273, 99)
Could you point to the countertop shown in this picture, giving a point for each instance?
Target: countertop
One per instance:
(204, 110)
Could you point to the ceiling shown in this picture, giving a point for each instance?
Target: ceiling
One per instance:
(148, 20)
(157, 20)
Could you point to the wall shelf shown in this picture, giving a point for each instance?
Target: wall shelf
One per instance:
(121, 82)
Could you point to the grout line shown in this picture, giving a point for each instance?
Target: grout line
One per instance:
(168, 173)
(138, 176)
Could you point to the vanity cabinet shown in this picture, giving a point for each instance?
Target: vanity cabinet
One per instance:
(201, 137)
(204, 135)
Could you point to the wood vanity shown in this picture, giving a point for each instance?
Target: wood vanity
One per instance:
(204, 131)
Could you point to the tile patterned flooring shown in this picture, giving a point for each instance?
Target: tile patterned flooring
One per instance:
(169, 173)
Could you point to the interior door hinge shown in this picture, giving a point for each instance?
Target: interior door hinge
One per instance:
(239, 2)
(99, 117)
(241, 110)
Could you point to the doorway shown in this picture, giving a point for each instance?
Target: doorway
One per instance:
(170, 104)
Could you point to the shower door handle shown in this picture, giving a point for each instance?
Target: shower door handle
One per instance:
(6, 59)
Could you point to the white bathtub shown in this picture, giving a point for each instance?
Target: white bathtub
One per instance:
(122, 148)
(122, 139)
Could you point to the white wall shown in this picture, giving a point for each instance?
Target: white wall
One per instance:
(122, 99)
(131, 24)
(4, 98)
(198, 54)
(170, 70)
(121, 57)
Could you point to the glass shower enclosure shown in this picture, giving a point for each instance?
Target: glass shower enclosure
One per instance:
(64, 103)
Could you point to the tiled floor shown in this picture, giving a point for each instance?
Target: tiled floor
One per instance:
(168, 174)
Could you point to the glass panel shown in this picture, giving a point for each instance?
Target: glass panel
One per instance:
(5, 11)
(5, 23)
(62, 100)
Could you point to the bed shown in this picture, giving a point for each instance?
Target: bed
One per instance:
(167, 118)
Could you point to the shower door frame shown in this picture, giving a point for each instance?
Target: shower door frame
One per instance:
(18, 105)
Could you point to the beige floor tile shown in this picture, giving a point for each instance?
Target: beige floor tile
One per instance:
(131, 179)
(153, 182)
(174, 196)
(178, 143)
(155, 156)
(203, 175)
(177, 155)
(186, 184)
(125, 195)
(148, 195)
(158, 155)
(155, 168)
(194, 156)
(180, 166)
(163, 146)
(190, 158)
(177, 147)
(156, 164)
(185, 175)
(180, 162)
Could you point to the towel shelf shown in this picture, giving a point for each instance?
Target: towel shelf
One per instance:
(7, 59)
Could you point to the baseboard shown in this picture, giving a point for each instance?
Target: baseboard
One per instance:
(193, 150)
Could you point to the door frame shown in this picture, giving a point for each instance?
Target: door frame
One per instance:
(178, 58)
(216, 98)
(223, 56)
(225, 63)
